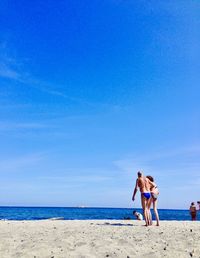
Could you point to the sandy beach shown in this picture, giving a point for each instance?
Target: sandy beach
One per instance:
(92, 238)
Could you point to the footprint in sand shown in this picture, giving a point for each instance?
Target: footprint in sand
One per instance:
(80, 243)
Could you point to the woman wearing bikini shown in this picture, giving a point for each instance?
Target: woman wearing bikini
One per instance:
(154, 199)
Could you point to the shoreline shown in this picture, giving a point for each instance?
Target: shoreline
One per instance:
(98, 238)
(63, 219)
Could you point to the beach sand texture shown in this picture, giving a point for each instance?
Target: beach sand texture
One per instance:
(97, 238)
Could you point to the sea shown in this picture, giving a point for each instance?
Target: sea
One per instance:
(71, 213)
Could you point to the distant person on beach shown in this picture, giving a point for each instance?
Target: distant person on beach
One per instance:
(138, 215)
(154, 199)
(193, 211)
(144, 185)
(198, 203)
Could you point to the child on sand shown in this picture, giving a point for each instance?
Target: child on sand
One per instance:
(193, 211)
(138, 215)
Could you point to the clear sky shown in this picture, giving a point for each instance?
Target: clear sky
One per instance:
(93, 91)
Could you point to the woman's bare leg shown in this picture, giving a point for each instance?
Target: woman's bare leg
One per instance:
(149, 210)
(156, 211)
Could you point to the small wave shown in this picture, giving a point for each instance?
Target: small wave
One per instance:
(57, 218)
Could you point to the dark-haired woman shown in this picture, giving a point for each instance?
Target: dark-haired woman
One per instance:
(154, 198)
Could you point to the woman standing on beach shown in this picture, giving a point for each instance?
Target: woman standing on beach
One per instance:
(154, 199)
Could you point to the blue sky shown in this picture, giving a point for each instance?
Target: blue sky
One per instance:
(93, 91)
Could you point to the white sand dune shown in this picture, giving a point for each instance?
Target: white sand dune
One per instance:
(92, 238)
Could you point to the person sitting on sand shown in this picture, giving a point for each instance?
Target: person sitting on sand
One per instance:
(193, 211)
(138, 215)
(154, 198)
(144, 185)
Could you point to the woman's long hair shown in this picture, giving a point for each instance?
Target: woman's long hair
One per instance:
(150, 178)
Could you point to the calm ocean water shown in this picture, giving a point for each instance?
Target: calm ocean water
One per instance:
(37, 213)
